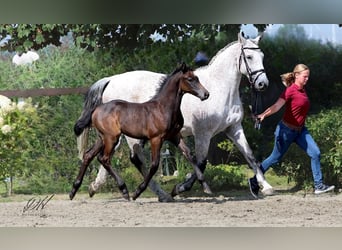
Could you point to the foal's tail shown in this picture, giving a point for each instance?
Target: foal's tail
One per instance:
(92, 100)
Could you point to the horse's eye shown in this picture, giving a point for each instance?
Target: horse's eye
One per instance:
(190, 79)
(249, 57)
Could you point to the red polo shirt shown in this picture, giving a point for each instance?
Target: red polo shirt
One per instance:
(297, 105)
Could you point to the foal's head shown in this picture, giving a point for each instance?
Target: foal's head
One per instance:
(189, 82)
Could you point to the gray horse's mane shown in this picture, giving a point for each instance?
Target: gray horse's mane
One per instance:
(220, 52)
(217, 54)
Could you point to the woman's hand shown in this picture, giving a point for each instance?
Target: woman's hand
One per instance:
(261, 117)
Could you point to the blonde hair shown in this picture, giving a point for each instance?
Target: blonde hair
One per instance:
(289, 78)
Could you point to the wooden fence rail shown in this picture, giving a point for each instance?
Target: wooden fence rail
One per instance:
(44, 92)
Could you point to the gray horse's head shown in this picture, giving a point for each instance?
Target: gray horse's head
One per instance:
(251, 62)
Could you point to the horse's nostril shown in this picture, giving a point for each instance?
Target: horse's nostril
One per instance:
(262, 86)
(205, 96)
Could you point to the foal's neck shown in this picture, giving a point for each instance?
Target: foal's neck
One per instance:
(170, 96)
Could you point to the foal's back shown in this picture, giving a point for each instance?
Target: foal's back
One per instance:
(137, 120)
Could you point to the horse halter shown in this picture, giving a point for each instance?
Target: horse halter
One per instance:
(249, 71)
(257, 122)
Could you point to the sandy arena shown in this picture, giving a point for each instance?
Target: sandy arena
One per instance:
(280, 210)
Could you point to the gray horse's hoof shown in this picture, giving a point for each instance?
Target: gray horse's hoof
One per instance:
(91, 190)
(177, 189)
(165, 198)
(268, 191)
(206, 188)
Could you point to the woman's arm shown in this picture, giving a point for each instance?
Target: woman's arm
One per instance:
(272, 109)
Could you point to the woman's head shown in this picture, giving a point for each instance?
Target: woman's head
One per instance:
(300, 73)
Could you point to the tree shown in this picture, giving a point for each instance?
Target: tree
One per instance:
(32, 36)
(17, 137)
(105, 36)
(292, 32)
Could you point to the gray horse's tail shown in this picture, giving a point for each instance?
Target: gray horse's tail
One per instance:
(92, 100)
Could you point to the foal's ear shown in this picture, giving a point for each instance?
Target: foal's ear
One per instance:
(184, 68)
(180, 68)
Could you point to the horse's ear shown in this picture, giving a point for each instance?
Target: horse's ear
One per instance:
(258, 38)
(184, 67)
(241, 37)
(180, 68)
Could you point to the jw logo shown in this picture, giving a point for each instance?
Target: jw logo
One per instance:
(37, 204)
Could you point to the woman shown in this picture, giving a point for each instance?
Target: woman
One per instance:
(292, 128)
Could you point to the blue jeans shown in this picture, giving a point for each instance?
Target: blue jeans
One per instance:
(284, 137)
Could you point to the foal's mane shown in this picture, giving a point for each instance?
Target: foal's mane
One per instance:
(164, 80)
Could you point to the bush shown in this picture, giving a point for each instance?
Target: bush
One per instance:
(225, 177)
(49, 163)
(326, 128)
(18, 136)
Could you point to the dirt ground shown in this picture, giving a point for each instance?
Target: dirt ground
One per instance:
(279, 210)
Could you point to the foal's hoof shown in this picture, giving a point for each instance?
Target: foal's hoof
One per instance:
(135, 195)
(71, 195)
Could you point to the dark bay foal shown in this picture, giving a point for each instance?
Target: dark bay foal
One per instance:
(156, 120)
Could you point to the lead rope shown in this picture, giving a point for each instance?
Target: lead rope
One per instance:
(256, 111)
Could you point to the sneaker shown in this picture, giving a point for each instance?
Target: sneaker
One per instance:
(254, 187)
(323, 188)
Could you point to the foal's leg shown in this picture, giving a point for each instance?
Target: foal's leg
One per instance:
(199, 174)
(105, 158)
(155, 152)
(101, 177)
(138, 159)
(87, 158)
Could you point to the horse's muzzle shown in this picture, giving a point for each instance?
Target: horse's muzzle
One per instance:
(261, 86)
(205, 96)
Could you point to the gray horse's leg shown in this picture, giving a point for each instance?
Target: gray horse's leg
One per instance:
(99, 181)
(197, 170)
(138, 159)
(236, 134)
(201, 149)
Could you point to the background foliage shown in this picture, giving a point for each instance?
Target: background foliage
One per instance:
(49, 162)
(108, 36)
